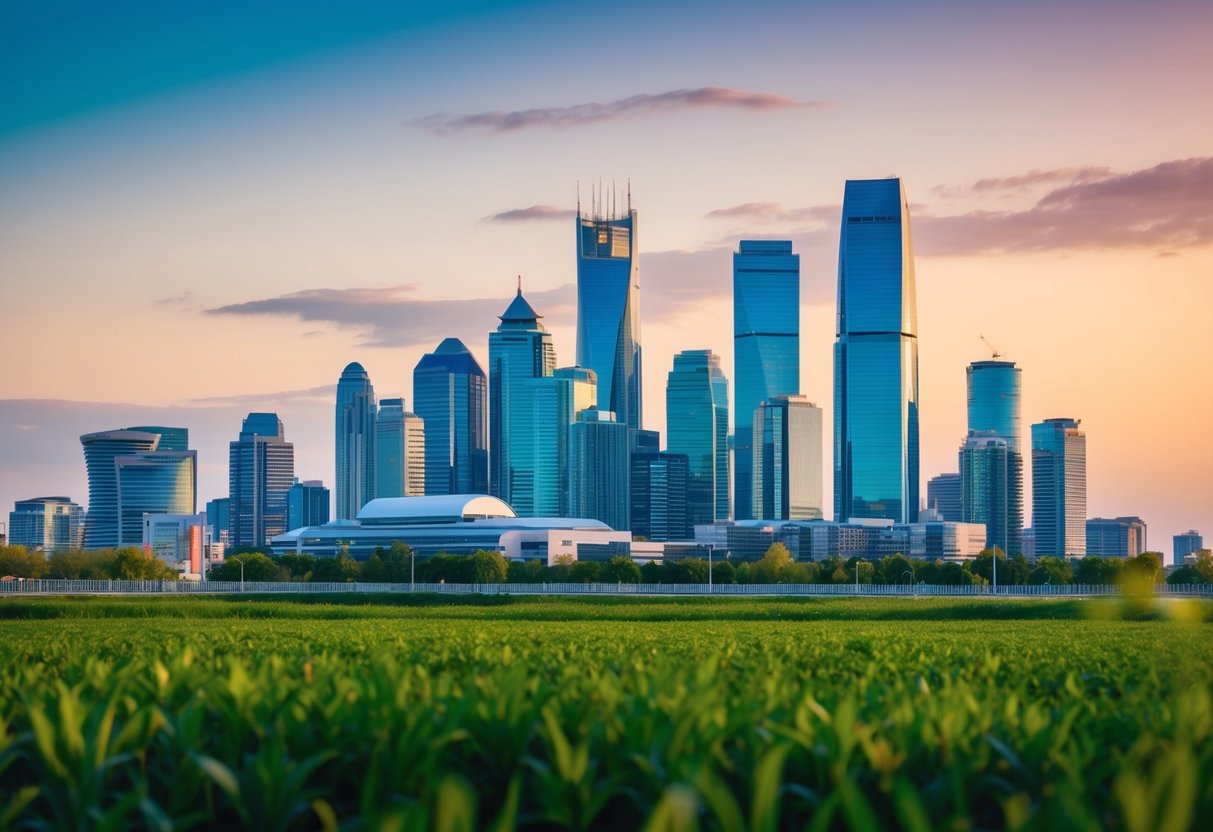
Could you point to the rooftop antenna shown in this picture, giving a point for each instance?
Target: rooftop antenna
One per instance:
(994, 353)
(519, 285)
(578, 197)
(629, 196)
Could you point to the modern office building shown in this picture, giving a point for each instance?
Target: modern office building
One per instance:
(1116, 537)
(810, 540)
(994, 402)
(608, 312)
(100, 450)
(171, 439)
(876, 357)
(599, 474)
(1185, 544)
(766, 346)
(450, 393)
(307, 504)
(520, 348)
(697, 426)
(1059, 488)
(219, 518)
(787, 459)
(943, 496)
(46, 524)
(659, 496)
(183, 541)
(261, 470)
(538, 442)
(158, 482)
(399, 451)
(354, 441)
(989, 470)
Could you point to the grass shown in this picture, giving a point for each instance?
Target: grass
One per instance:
(544, 713)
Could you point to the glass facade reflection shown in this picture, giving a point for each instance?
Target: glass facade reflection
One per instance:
(541, 414)
(659, 496)
(102, 528)
(1059, 488)
(399, 451)
(608, 314)
(354, 441)
(766, 346)
(46, 524)
(787, 459)
(450, 393)
(876, 446)
(994, 410)
(697, 425)
(943, 496)
(989, 473)
(161, 482)
(307, 504)
(599, 473)
(261, 470)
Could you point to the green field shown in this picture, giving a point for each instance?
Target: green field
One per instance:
(555, 713)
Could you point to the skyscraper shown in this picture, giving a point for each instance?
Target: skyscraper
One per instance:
(766, 346)
(1116, 537)
(876, 357)
(1185, 544)
(599, 473)
(261, 469)
(994, 411)
(659, 490)
(989, 470)
(399, 451)
(307, 504)
(697, 425)
(46, 524)
(219, 518)
(521, 348)
(608, 319)
(943, 496)
(450, 394)
(354, 441)
(1059, 488)
(542, 412)
(787, 459)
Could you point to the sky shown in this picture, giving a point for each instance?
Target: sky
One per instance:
(205, 212)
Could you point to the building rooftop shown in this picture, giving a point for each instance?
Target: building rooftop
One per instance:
(449, 508)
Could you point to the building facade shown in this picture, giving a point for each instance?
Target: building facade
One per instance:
(766, 346)
(1185, 544)
(399, 451)
(100, 450)
(787, 459)
(599, 474)
(542, 412)
(876, 445)
(697, 426)
(989, 471)
(354, 441)
(46, 524)
(219, 518)
(307, 504)
(659, 494)
(994, 403)
(1116, 537)
(608, 309)
(159, 482)
(943, 496)
(261, 470)
(1059, 488)
(183, 541)
(450, 394)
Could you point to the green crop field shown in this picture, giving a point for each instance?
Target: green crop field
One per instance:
(547, 713)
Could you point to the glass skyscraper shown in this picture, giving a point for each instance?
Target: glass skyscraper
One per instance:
(542, 412)
(1185, 544)
(101, 529)
(787, 459)
(697, 425)
(608, 317)
(659, 490)
(218, 517)
(994, 410)
(989, 474)
(1059, 488)
(521, 348)
(261, 469)
(307, 504)
(399, 451)
(766, 347)
(876, 357)
(160, 482)
(599, 473)
(354, 441)
(450, 394)
(943, 496)
(1116, 537)
(46, 524)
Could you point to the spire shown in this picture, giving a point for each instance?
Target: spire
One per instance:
(519, 311)
(519, 285)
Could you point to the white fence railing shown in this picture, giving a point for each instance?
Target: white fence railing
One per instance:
(92, 587)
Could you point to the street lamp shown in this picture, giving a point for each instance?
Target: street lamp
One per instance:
(709, 570)
(241, 562)
(910, 579)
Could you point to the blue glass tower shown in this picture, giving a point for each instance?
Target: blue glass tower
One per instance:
(261, 470)
(994, 411)
(161, 482)
(697, 425)
(542, 412)
(876, 357)
(521, 348)
(354, 441)
(307, 504)
(399, 451)
(608, 319)
(1059, 488)
(766, 347)
(599, 470)
(450, 395)
(787, 459)
(102, 529)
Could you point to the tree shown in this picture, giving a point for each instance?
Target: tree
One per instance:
(1204, 564)
(297, 567)
(584, 571)
(620, 569)
(798, 573)
(488, 567)
(374, 569)
(652, 573)
(1051, 570)
(1098, 571)
(399, 562)
(79, 565)
(724, 573)
(133, 564)
(983, 566)
(1019, 569)
(1143, 571)
(257, 567)
(893, 569)
(20, 563)
(774, 560)
(1186, 574)
(341, 569)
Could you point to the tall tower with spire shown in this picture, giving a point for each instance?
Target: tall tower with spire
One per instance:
(520, 348)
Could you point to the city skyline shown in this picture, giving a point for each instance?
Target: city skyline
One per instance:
(1024, 241)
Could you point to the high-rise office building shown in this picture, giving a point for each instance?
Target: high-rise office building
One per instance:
(100, 450)
(219, 518)
(994, 396)
(1059, 488)
(521, 348)
(261, 469)
(989, 470)
(943, 497)
(354, 441)
(399, 451)
(171, 439)
(697, 426)
(542, 412)
(1116, 537)
(599, 474)
(766, 347)
(46, 524)
(183, 541)
(608, 313)
(450, 394)
(1185, 544)
(307, 504)
(158, 482)
(876, 357)
(787, 459)
(659, 489)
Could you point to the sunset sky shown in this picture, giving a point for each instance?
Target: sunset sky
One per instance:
(211, 209)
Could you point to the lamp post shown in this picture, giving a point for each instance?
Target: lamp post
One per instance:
(856, 577)
(241, 562)
(709, 570)
(910, 575)
(994, 565)
(412, 570)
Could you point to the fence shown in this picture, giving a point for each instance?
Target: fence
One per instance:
(63, 587)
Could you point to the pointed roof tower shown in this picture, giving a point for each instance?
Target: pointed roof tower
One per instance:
(521, 312)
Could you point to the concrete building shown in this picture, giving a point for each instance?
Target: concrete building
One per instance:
(46, 524)
(183, 541)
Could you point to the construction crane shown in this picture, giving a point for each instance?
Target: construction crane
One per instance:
(994, 353)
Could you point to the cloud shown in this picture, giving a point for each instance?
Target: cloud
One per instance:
(323, 393)
(1166, 206)
(635, 106)
(775, 212)
(1024, 181)
(535, 212)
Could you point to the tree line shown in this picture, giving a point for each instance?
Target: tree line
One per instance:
(129, 563)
